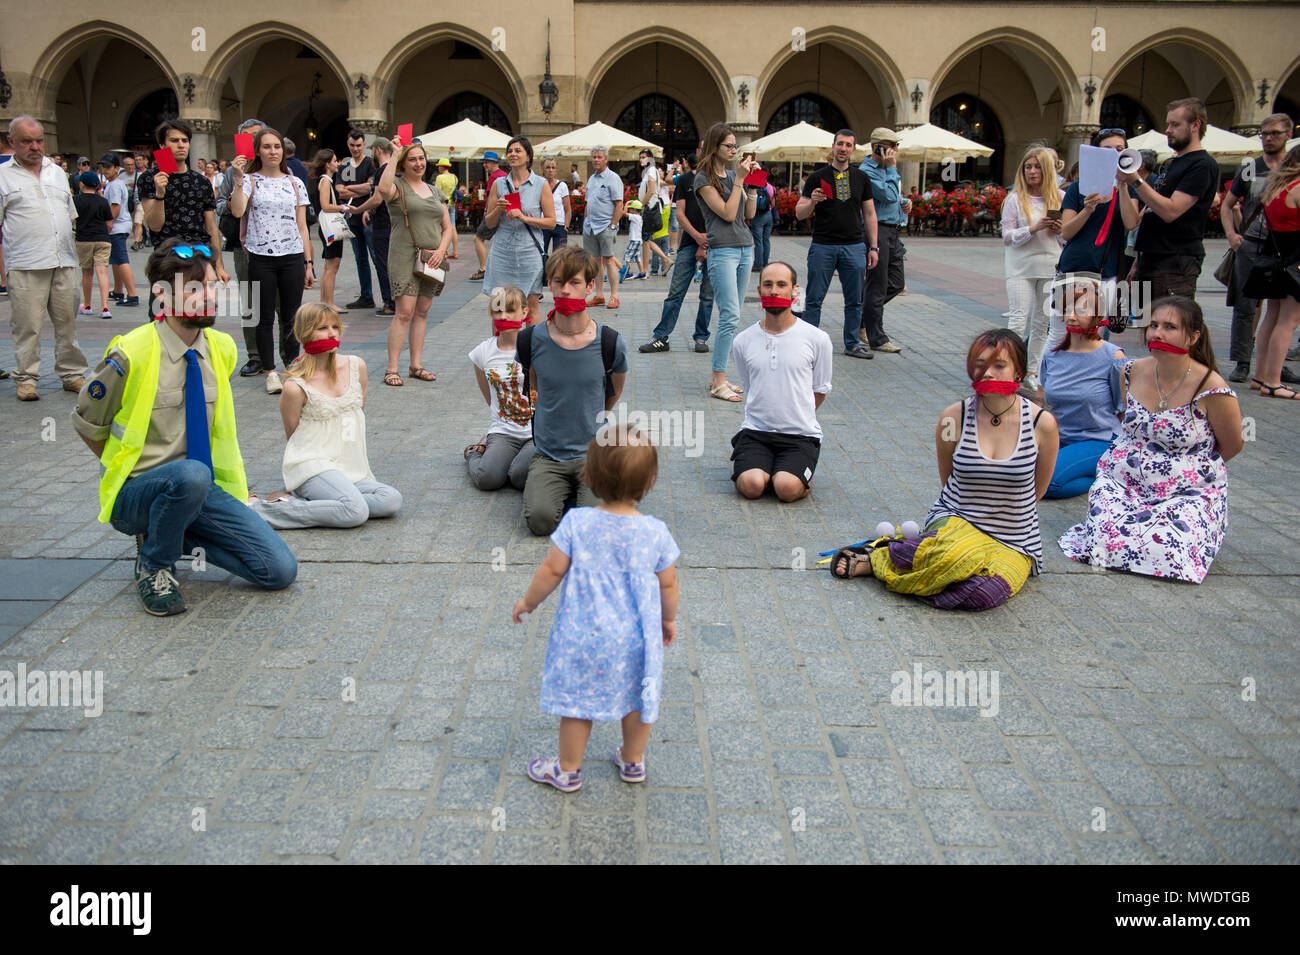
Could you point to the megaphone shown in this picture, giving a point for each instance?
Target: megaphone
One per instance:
(1130, 161)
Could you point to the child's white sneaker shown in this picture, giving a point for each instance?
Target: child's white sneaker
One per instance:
(629, 772)
(548, 771)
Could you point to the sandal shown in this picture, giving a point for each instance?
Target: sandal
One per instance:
(724, 392)
(393, 378)
(481, 448)
(1256, 384)
(422, 374)
(852, 558)
(1271, 391)
(736, 388)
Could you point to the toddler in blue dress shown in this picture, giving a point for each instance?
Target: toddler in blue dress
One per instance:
(618, 600)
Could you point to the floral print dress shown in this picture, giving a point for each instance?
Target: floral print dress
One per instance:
(1159, 506)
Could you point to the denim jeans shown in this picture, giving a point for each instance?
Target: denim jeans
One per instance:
(823, 261)
(683, 273)
(729, 271)
(330, 500)
(362, 241)
(1076, 468)
(179, 508)
(761, 228)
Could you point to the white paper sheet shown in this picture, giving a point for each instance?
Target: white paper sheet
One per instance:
(1097, 167)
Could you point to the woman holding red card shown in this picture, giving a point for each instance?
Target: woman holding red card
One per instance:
(525, 208)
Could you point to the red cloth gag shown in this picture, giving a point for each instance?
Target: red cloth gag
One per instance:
(985, 387)
(320, 346)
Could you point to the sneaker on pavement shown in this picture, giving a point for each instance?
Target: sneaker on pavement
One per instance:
(160, 592)
(548, 771)
(654, 345)
(629, 772)
(363, 301)
(859, 351)
(27, 391)
(598, 300)
(1290, 377)
(251, 367)
(386, 310)
(1241, 372)
(85, 310)
(129, 301)
(273, 384)
(701, 345)
(74, 385)
(862, 337)
(105, 313)
(889, 347)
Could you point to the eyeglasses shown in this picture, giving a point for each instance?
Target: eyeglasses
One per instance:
(187, 251)
(1272, 132)
(730, 146)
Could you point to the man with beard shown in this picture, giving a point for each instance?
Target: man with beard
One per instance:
(159, 415)
(785, 369)
(1245, 192)
(1170, 236)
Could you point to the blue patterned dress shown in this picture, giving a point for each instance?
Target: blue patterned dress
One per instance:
(1159, 505)
(606, 655)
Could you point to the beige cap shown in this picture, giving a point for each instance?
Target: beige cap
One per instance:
(883, 134)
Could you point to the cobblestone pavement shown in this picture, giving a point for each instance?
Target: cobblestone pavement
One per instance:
(1121, 734)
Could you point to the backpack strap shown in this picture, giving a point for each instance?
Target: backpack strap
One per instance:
(524, 348)
(608, 351)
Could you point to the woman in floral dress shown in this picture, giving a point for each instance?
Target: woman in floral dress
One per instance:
(1159, 505)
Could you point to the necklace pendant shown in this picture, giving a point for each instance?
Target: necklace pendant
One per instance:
(1162, 404)
(995, 420)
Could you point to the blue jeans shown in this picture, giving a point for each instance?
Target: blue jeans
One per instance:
(179, 507)
(363, 240)
(1076, 468)
(662, 242)
(729, 271)
(851, 261)
(683, 272)
(761, 228)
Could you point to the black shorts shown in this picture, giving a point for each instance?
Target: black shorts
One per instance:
(334, 251)
(486, 232)
(771, 452)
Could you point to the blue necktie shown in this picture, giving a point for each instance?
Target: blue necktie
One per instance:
(198, 446)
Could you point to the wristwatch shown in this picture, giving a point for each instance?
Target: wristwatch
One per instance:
(874, 248)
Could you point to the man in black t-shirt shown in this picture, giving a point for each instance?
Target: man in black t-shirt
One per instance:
(1245, 231)
(374, 213)
(1170, 237)
(181, 205)
(695, 241)
(353, 182)
(843, 237)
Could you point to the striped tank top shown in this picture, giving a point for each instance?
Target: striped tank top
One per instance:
(997, 497)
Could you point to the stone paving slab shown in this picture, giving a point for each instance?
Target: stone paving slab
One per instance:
(1121, 734)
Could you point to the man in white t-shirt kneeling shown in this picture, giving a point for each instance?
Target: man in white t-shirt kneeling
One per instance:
(785, 369)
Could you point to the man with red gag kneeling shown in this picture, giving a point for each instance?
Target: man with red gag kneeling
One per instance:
(785, 369)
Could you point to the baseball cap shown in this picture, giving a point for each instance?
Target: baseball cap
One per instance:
(109, 159)
(490, 155)
(883, 134)
(88, 178)
(83, 159)
(634, 204)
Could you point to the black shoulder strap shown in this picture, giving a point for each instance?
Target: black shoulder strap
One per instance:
(608, 350)
(524, 346)
(1037, 416)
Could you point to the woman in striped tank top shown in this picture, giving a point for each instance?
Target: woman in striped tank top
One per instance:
(996, 452)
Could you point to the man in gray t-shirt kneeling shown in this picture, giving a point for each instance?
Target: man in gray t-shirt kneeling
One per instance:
(574, 383)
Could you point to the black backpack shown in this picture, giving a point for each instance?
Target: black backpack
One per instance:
(608, 349)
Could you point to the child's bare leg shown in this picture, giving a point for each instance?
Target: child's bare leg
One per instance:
(635, 735)
(573, 742)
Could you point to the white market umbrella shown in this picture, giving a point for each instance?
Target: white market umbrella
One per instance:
(463, 141)
(577, 144)
(929, 143)
(1293, 144)
(1224, 145)
(800, 143)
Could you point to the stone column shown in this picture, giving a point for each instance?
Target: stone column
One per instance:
(205, 144)
(1249, 130)
(1074, 135)
(372, 122)
(743, 110)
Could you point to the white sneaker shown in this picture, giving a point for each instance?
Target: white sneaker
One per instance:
(273, 384)
(1031, 383)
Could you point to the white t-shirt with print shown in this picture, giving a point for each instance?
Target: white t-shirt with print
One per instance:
(272, 214)
(512, 406)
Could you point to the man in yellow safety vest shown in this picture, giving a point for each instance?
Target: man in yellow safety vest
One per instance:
(159, 415)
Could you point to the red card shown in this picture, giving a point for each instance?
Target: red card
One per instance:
(513, 201)
(244, 145)
(757, 178)
(828, 190)
(165, 160)
(406, 132)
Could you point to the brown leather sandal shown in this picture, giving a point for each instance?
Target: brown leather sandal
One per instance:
(393, 378)
(423, 374)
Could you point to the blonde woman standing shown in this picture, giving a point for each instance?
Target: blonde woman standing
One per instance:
(1033, 245)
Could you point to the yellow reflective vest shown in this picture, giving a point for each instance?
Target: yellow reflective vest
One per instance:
(130, 425)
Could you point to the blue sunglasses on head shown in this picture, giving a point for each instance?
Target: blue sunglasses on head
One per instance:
(187, 251)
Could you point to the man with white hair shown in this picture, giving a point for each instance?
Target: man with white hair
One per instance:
(36, 214)
(600, 223)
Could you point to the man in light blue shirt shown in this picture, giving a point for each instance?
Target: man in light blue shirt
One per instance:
(600, 223)
(886, 279)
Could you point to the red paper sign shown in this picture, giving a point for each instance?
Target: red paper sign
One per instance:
(828, 190)
(166, 161)
(244, 145)
(513, 201)
(405, 133)
(757, 178)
